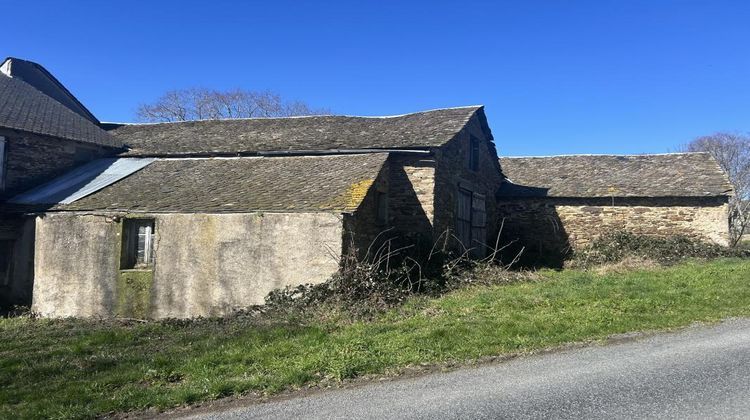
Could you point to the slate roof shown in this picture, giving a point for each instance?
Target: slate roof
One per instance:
(22, 107)
(37, 76)
(281, 184)
(664, 175)
(418, 130)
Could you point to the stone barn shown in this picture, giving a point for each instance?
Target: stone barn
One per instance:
(206, 217)
(200, 218)
(552, 205)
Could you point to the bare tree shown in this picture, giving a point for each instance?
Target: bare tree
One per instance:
(732, 151)
(207, 104)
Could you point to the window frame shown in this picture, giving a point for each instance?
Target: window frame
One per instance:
(473, 158)
(130, 251)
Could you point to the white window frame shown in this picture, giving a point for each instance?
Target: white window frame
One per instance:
(131, 240)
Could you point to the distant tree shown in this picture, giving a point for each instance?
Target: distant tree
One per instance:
(208, 104)
(732, 151)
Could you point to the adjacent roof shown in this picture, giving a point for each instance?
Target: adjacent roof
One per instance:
(22, 107)
(285, 184)
(38, 77)
(82, 181)
(418, 130)
(665, 175)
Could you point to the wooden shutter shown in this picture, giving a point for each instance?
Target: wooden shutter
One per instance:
(463, 217)
(479, 224)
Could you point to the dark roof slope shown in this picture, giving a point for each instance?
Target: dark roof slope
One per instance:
(38, 77)
(665, 175)
(283, 184)
(419, 130)
(22, 107)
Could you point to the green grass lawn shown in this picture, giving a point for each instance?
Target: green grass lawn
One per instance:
(69, 368)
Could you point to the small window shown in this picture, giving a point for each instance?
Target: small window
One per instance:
(474, 153)
(137, 243)
(3, 154)
(382, 204)
(6, 261)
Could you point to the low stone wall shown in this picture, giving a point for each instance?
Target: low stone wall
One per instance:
(205, 264)
(549, 228)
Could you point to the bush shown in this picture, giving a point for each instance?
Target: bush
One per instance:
(616, 247)
(382, 279)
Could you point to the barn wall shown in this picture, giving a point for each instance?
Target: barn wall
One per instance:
(205, 264)
(453, 172)
(550, 227)
(76, 264)
(411, 194)
(19, 230)
(33, 159)
(362, 227)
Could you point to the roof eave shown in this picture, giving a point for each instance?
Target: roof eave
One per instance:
(279, 153)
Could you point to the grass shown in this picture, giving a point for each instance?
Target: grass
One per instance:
(75, 368)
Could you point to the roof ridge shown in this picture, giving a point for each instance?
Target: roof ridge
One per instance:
(475, 107)
(347, 155)
(605, 155)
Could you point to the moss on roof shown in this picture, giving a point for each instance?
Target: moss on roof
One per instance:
(283, 184)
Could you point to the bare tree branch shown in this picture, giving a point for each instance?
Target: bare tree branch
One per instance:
(206, 104)
(732, 151)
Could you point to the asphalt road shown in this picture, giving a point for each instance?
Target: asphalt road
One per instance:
(700, 372)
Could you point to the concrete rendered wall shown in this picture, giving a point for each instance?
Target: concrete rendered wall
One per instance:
(205, 264)
(210, 265)
(76, 264)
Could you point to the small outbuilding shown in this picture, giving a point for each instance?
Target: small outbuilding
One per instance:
(552, 205)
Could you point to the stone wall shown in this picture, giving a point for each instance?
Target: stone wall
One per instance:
(205, 264)
(362, 227)
(411, 194)
(34, 159)
(453, 172)
(549, 228)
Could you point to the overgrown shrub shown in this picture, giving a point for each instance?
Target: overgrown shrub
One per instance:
(617, 246)
(383, 278)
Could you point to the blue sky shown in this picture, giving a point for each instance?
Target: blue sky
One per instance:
(556, 76)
